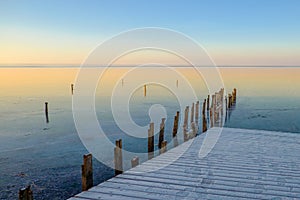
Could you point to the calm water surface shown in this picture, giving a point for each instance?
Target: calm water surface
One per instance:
(48, 156)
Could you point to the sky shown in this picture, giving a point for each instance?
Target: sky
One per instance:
(234, 32)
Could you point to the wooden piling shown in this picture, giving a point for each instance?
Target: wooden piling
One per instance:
(72, 89)
(175, 141)
(87, 172)
(161, 132)
(46, 112)
(186, 116)
(204, 123)
(234, 95)
(25, 194)
(118, 158)
(145, 90)
(208, 102)
(177, 83)
(163, 147)
(175, 126)
(151, 141)
(192, 113)
(135, 161)
(185, 124)
(229, 100)
(197, 113)
(194, 130)
(211, 117)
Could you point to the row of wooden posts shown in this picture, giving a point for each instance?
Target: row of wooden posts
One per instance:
(215, 110)
(211, 112)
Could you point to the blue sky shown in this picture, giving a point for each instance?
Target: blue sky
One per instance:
(243, 31)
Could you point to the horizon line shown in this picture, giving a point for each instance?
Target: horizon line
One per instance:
(128, 65)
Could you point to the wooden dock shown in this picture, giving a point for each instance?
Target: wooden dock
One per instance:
(244, 164)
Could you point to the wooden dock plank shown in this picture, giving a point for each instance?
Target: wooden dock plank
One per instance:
(244, 164)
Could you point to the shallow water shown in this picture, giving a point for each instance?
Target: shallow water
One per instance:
(49, 156)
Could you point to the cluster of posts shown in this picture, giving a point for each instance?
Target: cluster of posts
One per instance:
(213, 110)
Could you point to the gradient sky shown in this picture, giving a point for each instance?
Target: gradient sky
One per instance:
(234, 32)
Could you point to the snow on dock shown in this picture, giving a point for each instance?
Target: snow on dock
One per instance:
(244, 164)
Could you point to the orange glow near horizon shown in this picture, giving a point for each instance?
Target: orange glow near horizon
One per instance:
(56, 81)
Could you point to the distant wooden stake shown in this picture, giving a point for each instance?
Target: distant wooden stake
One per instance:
(87, 172)
(163, 147)
(46, 112)
(118, 158)
(175, 127)
(151, 141)
(161, 132)
(25, 194)
(135, 162)
(145, 90)
(72, 89)
(177, 83)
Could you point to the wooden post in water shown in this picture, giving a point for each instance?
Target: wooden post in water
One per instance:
(192, 113)
(145, 90)
(87, 172)
(212, 110)
(175, 141)
(194, 130)
(234, 96)
(72, 89)
(197, 113)
(163, 147)
(135, 161)
(151, 141)
(25, 194)
(204, 123)
(46, 112)
(118, 158)
(185, 125)
(215, 102)
(177, 83)
(186, 117)
(161, 132)
(229, 100)
(175, 127)
(208, 102)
